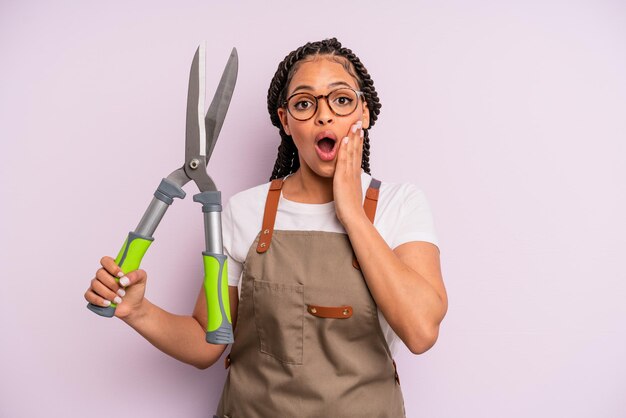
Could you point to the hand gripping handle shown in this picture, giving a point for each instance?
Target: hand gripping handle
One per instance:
(128, 259)
(137, 243)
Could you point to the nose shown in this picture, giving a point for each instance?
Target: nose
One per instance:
(323, 115)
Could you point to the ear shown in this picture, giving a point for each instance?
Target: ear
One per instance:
(366, 115)
(282, 115)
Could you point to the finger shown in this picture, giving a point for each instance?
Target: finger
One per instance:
(93, 298)
(348, 149)
(355, 156)
(107, 280)
(355, 128)
(109, 264)
(342, 159)
(359, 159)
(350, 153)
(104, 292)
(355, 151)
(133, 277)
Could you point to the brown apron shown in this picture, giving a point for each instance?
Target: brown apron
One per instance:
(308, 342)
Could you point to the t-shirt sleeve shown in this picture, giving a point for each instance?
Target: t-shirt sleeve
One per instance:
(228, 239)
(415, 222)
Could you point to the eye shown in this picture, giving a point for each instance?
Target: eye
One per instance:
(303, 104)
(343, 100)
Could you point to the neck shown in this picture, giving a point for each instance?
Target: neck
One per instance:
(305, 186)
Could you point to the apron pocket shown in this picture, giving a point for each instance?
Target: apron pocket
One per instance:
(279, 319)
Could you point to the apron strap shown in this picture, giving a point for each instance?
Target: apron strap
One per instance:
(371, 201)
(269, 216)
(271, 206)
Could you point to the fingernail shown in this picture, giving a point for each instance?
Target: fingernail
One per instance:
(355, 127)
(107, 303)
(359, 124)
(117, 300)
(121, 292)
(345, 140)
(361, 134)
(124, 281)
(120, 273)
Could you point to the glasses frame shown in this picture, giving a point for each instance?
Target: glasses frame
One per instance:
(359, 94)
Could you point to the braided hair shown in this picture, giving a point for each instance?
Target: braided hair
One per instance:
(287, 161)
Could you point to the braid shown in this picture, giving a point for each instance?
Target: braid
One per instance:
(287, 160)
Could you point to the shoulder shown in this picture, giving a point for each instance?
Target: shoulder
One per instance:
(249, 199)
(394, 195)
(241, 221)
(403, 214)
(243, 211)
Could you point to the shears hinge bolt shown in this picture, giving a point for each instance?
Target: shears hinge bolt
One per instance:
(194, 163)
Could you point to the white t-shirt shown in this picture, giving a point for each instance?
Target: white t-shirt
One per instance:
(402, 215)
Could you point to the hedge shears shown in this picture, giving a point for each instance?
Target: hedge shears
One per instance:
(201, 134)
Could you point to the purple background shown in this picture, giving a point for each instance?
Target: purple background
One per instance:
(508, 114)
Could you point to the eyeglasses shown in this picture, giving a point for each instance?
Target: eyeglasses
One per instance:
(342, 102)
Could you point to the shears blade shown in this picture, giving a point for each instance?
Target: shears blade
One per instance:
(221, 100)
(195, 142)
(197, 149)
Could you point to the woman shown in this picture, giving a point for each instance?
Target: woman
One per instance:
(329, 283)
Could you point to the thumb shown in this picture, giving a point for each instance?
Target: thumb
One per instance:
(133, 277)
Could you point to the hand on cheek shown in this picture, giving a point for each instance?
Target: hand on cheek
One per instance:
(347, 181)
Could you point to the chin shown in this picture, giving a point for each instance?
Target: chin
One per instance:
(324, 169)
(326, 172)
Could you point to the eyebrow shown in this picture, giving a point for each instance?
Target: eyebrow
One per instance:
(331, 85)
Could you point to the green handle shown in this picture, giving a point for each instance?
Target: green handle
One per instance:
(219, 324)
(129, 259)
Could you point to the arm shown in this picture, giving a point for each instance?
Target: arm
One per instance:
(182, 337)
(406, 283)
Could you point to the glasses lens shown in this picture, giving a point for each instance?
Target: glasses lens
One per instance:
(343, 101)
(301, 106)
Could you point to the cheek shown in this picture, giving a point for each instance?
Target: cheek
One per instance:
(364, 116)
(297, 136)
(301, 130)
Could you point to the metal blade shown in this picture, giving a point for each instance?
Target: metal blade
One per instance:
(221, 100)
(195, 140)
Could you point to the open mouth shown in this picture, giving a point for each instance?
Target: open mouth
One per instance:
(326, 145)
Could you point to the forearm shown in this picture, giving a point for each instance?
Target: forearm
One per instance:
(181, 337)
(411, 306)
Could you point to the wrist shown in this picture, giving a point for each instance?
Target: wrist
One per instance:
(138, 314)
(354, 220)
